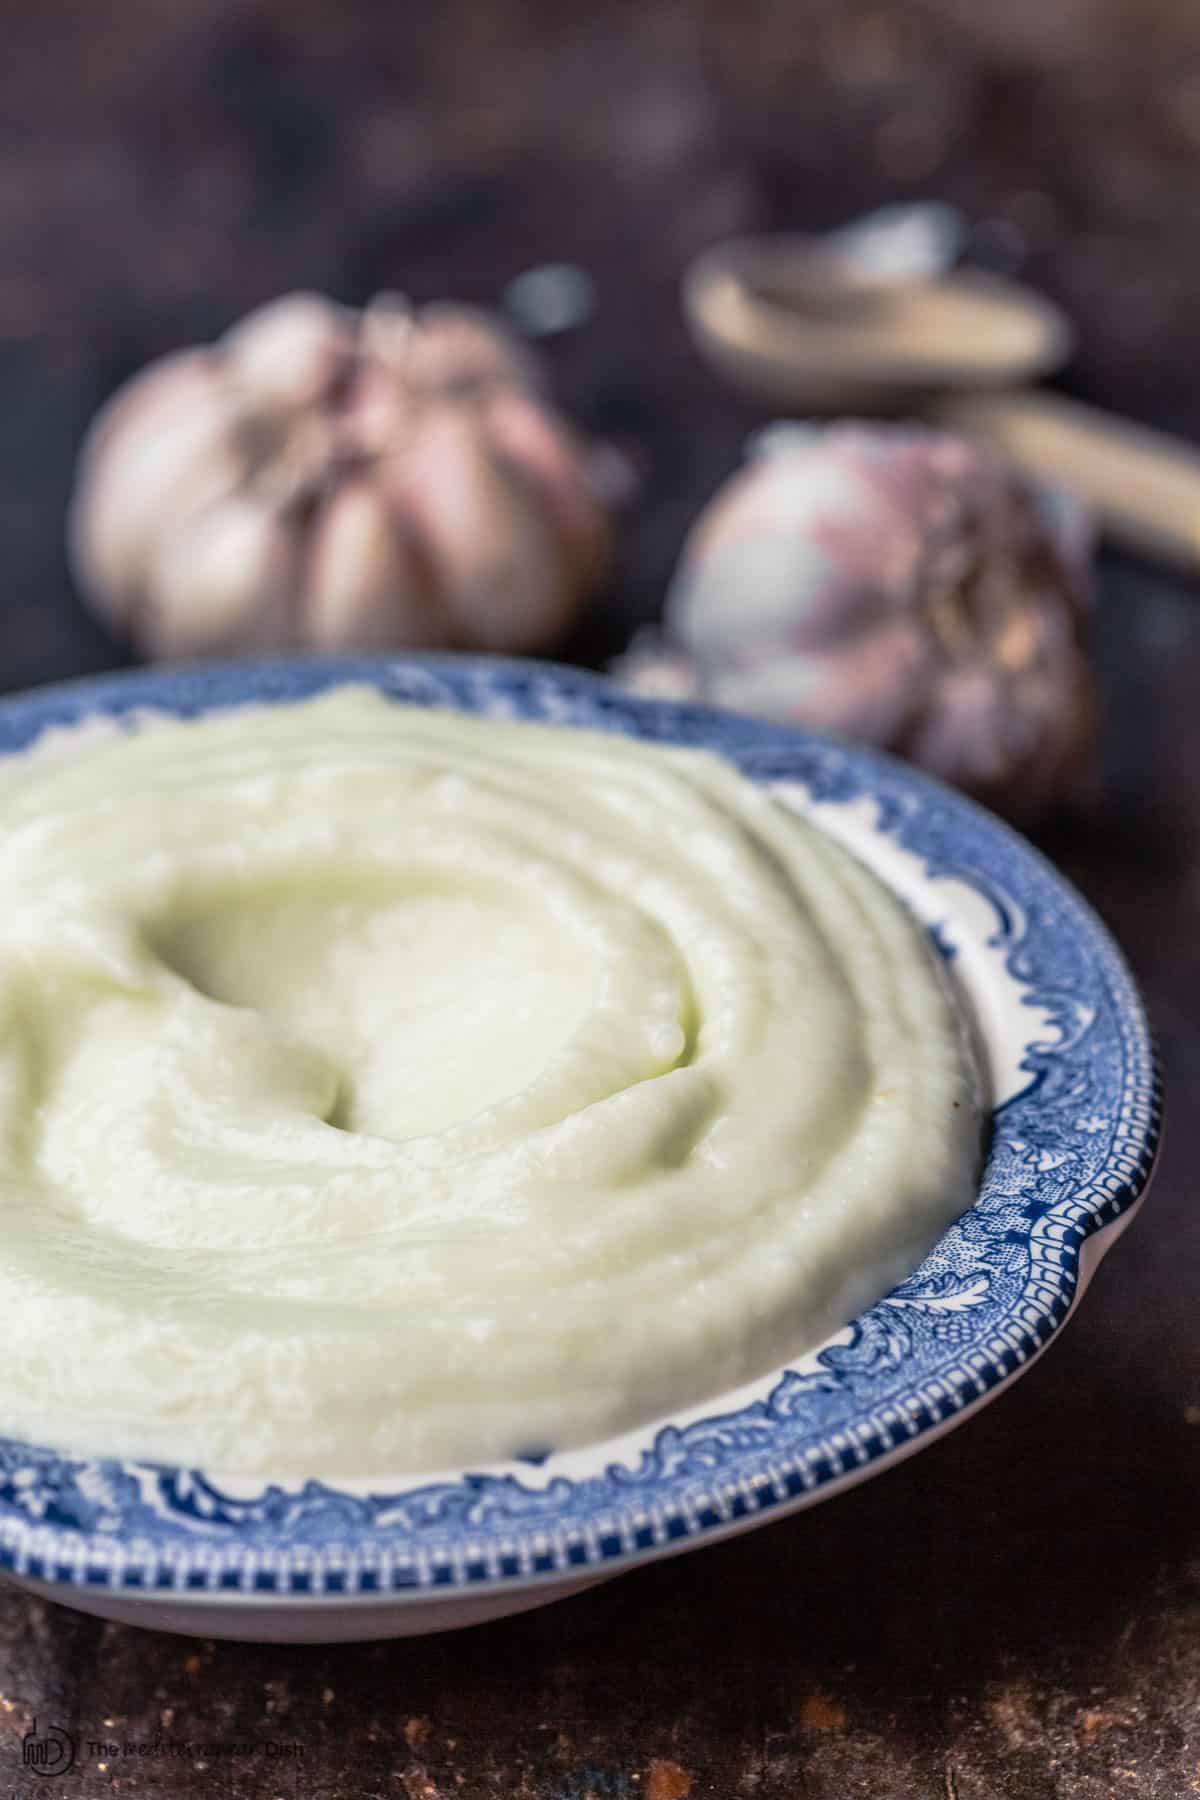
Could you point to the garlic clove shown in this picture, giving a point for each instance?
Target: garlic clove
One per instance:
(291, 352)
(872, 689)
(500, 572)
(788, 554)
(224, 580)
(154, 392)
(166, 448)
(965, 735)
(378, 412)
(652, 665)
(542, 448)
(1015, 742)
(366, 586)
(461, 351)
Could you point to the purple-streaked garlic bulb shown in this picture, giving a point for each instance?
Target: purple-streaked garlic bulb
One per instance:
(899, 585)
(324, 478)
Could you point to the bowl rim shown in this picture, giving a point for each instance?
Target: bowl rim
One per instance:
(95, 1523)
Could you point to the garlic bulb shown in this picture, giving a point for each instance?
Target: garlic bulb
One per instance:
(899, 585)
(324, 478)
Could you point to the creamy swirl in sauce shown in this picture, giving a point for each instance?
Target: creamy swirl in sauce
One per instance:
(384, 1088)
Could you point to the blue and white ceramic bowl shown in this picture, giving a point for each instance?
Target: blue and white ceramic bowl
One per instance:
(1074, 1129)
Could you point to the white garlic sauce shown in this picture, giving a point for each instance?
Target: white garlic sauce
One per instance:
(384, 1088)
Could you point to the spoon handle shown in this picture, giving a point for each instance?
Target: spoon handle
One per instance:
(1143, 485)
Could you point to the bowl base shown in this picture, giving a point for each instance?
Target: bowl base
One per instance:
(256, 1621)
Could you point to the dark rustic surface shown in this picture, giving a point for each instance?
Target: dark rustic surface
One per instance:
(1017, 1611)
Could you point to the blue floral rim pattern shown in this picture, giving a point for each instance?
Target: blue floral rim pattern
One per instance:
(1069, 1154)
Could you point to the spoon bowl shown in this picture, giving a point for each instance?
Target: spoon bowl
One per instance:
(790, 319)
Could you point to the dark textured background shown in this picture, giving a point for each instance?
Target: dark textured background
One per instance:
(1016, 1612)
